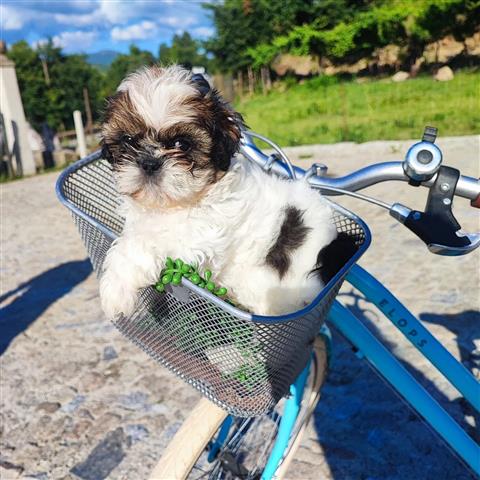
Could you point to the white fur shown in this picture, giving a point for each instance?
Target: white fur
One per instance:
(230, 231)
(158, 98)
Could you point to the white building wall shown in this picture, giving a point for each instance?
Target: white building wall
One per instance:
(12, 109)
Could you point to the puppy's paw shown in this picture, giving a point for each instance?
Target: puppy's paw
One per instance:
(116, 299)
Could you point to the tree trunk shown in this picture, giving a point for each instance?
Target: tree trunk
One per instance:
(88, 111)
(240, 84)
(251, 81)
(269, 78)
(264, 80)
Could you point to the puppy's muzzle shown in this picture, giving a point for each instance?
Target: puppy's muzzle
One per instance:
(149, 164)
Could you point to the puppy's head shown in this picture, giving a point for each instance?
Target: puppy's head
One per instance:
(169, 136)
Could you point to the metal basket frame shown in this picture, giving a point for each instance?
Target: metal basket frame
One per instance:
(282, 343)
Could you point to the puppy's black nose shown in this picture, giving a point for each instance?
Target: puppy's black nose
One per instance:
(149, 164)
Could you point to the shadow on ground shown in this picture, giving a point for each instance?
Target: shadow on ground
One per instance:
(466, 328)
(33, 297)
(367, 431)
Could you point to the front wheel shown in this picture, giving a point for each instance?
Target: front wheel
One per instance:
(214, 445)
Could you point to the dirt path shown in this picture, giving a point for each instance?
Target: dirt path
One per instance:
(80, 401)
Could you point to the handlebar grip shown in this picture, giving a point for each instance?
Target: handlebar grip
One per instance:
(476, 203)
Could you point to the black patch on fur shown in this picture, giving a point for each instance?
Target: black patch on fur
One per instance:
(334, 256)
(225, 132)
(292, 235)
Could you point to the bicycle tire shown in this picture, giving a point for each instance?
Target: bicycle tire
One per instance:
(201, 427)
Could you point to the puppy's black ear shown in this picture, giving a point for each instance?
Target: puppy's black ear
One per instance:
(201, 83)
(106, 153)
(227, 128)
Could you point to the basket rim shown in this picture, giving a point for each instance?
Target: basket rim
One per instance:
(241, 314)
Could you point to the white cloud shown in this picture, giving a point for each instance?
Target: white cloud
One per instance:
(12, 18)
(122, 11)
(79, 19)
(138, 31)
(181, 22)
(74, 41)
(39, 43)
(203, 32)
(110, 12)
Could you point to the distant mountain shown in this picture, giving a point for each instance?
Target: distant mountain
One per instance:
(102, 59)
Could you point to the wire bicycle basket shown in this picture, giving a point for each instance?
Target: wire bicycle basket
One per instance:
(241, 361)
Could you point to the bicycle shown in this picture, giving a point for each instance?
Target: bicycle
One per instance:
(227, 425)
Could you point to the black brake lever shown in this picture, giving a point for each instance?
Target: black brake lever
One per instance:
(437, 226)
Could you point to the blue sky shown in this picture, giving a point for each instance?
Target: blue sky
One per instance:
(86, 26)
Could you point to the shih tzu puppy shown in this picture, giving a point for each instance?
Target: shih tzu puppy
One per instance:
(171, 140)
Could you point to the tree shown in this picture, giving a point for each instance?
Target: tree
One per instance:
(184, 50)
(254, 32)
(51, 84)
(409, 23)
(239, 25)
(125, 64)
(242, 25)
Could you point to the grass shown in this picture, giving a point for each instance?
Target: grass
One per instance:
(326, 110)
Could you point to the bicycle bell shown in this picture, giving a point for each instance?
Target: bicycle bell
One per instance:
(424, 158)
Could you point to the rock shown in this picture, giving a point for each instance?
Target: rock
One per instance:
(353, 68)
(400, 76)
(106, 422)
(154, 383)
(473, 44)
(136, 433)
(444, 74)
(387, 56)
(37, 476)
(77, 430)
(74, 404)
(443, 50)
(109, 353)
(446, 297)
(49, 407)
(134, 401)
(300, 65)
(91, 381)
(14, 470)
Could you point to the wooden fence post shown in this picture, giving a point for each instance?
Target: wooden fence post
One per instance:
(251, 80)
(81, 143)
(266, 80)
(240, 83)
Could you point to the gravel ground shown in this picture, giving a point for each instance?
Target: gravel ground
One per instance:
(79, 401)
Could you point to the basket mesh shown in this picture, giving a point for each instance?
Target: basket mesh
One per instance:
(244, 366)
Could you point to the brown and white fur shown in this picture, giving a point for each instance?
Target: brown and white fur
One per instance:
(172, 140)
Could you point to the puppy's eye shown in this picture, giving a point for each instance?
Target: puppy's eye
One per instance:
(179, 144)
(128, 139)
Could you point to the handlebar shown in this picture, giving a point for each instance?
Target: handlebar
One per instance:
(467, 187)
(436, 226)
